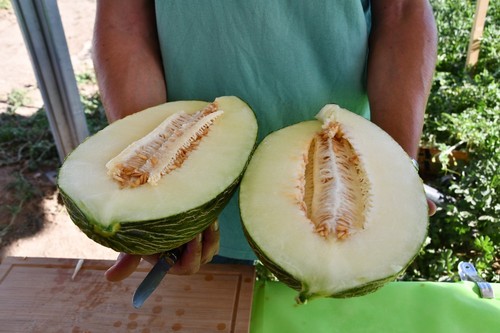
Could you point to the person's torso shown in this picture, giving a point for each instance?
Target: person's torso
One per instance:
(285, 58)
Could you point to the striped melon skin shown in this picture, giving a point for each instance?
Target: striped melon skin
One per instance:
(152, 218)
(305, 294)
(154, 236)
(286, 241)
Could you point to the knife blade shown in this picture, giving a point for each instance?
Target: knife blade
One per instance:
(165, 261)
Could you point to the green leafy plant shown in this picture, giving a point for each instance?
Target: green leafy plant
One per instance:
(5, 5)
(17, 98)
(463, 116)
(26, 141)
(27, 147)
(94, 113)
(23, 191)
(92, 105)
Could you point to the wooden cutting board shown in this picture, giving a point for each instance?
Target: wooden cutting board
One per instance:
(39, 295)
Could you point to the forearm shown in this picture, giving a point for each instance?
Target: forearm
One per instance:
(127, 58)
(401, 64)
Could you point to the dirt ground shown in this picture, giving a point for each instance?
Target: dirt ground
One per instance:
(43, 228)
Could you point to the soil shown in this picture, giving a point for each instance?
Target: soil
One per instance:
(34, 223)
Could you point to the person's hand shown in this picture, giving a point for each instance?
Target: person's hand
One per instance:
(198, 251)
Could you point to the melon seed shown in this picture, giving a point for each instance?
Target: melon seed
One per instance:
(162, 150)
(334, 188)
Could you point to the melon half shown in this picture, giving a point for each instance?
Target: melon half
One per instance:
(152, 181)
(334, 207)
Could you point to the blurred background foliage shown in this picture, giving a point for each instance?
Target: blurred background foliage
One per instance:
(462, 132)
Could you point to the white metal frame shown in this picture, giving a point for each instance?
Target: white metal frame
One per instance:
(43, 34)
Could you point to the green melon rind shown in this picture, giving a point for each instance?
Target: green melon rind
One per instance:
(304, 295)
(154, 236)
(159, 235)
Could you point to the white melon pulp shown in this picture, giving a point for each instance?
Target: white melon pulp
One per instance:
(283, 236)
(210, 169)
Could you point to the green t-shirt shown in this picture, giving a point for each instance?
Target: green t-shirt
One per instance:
(285, 58)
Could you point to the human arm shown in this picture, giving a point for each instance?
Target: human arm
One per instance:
(401, 63)
(127, 58)
(130, 76)
(402, 58)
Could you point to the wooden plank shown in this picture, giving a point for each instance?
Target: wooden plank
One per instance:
(476, 33)
(38, 295)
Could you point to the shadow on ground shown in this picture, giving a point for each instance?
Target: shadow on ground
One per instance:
(28, 158)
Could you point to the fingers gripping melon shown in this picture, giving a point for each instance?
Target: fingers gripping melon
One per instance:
(333, 207)
(152, 181)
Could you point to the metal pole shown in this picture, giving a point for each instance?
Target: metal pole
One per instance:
(43, 34)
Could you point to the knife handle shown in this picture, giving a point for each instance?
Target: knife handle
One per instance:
(170, 257)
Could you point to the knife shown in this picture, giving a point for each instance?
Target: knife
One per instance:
(165, 261)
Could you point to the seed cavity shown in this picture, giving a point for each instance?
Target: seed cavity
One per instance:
(162, 150)
(334, 189)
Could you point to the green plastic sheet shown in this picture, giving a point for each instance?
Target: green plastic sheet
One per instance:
(422, 307)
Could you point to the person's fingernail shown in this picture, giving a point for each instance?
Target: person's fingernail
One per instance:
(215, 226)
(198, 238)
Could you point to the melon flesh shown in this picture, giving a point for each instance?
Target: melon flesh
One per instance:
(178, 204)
(389, 209)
